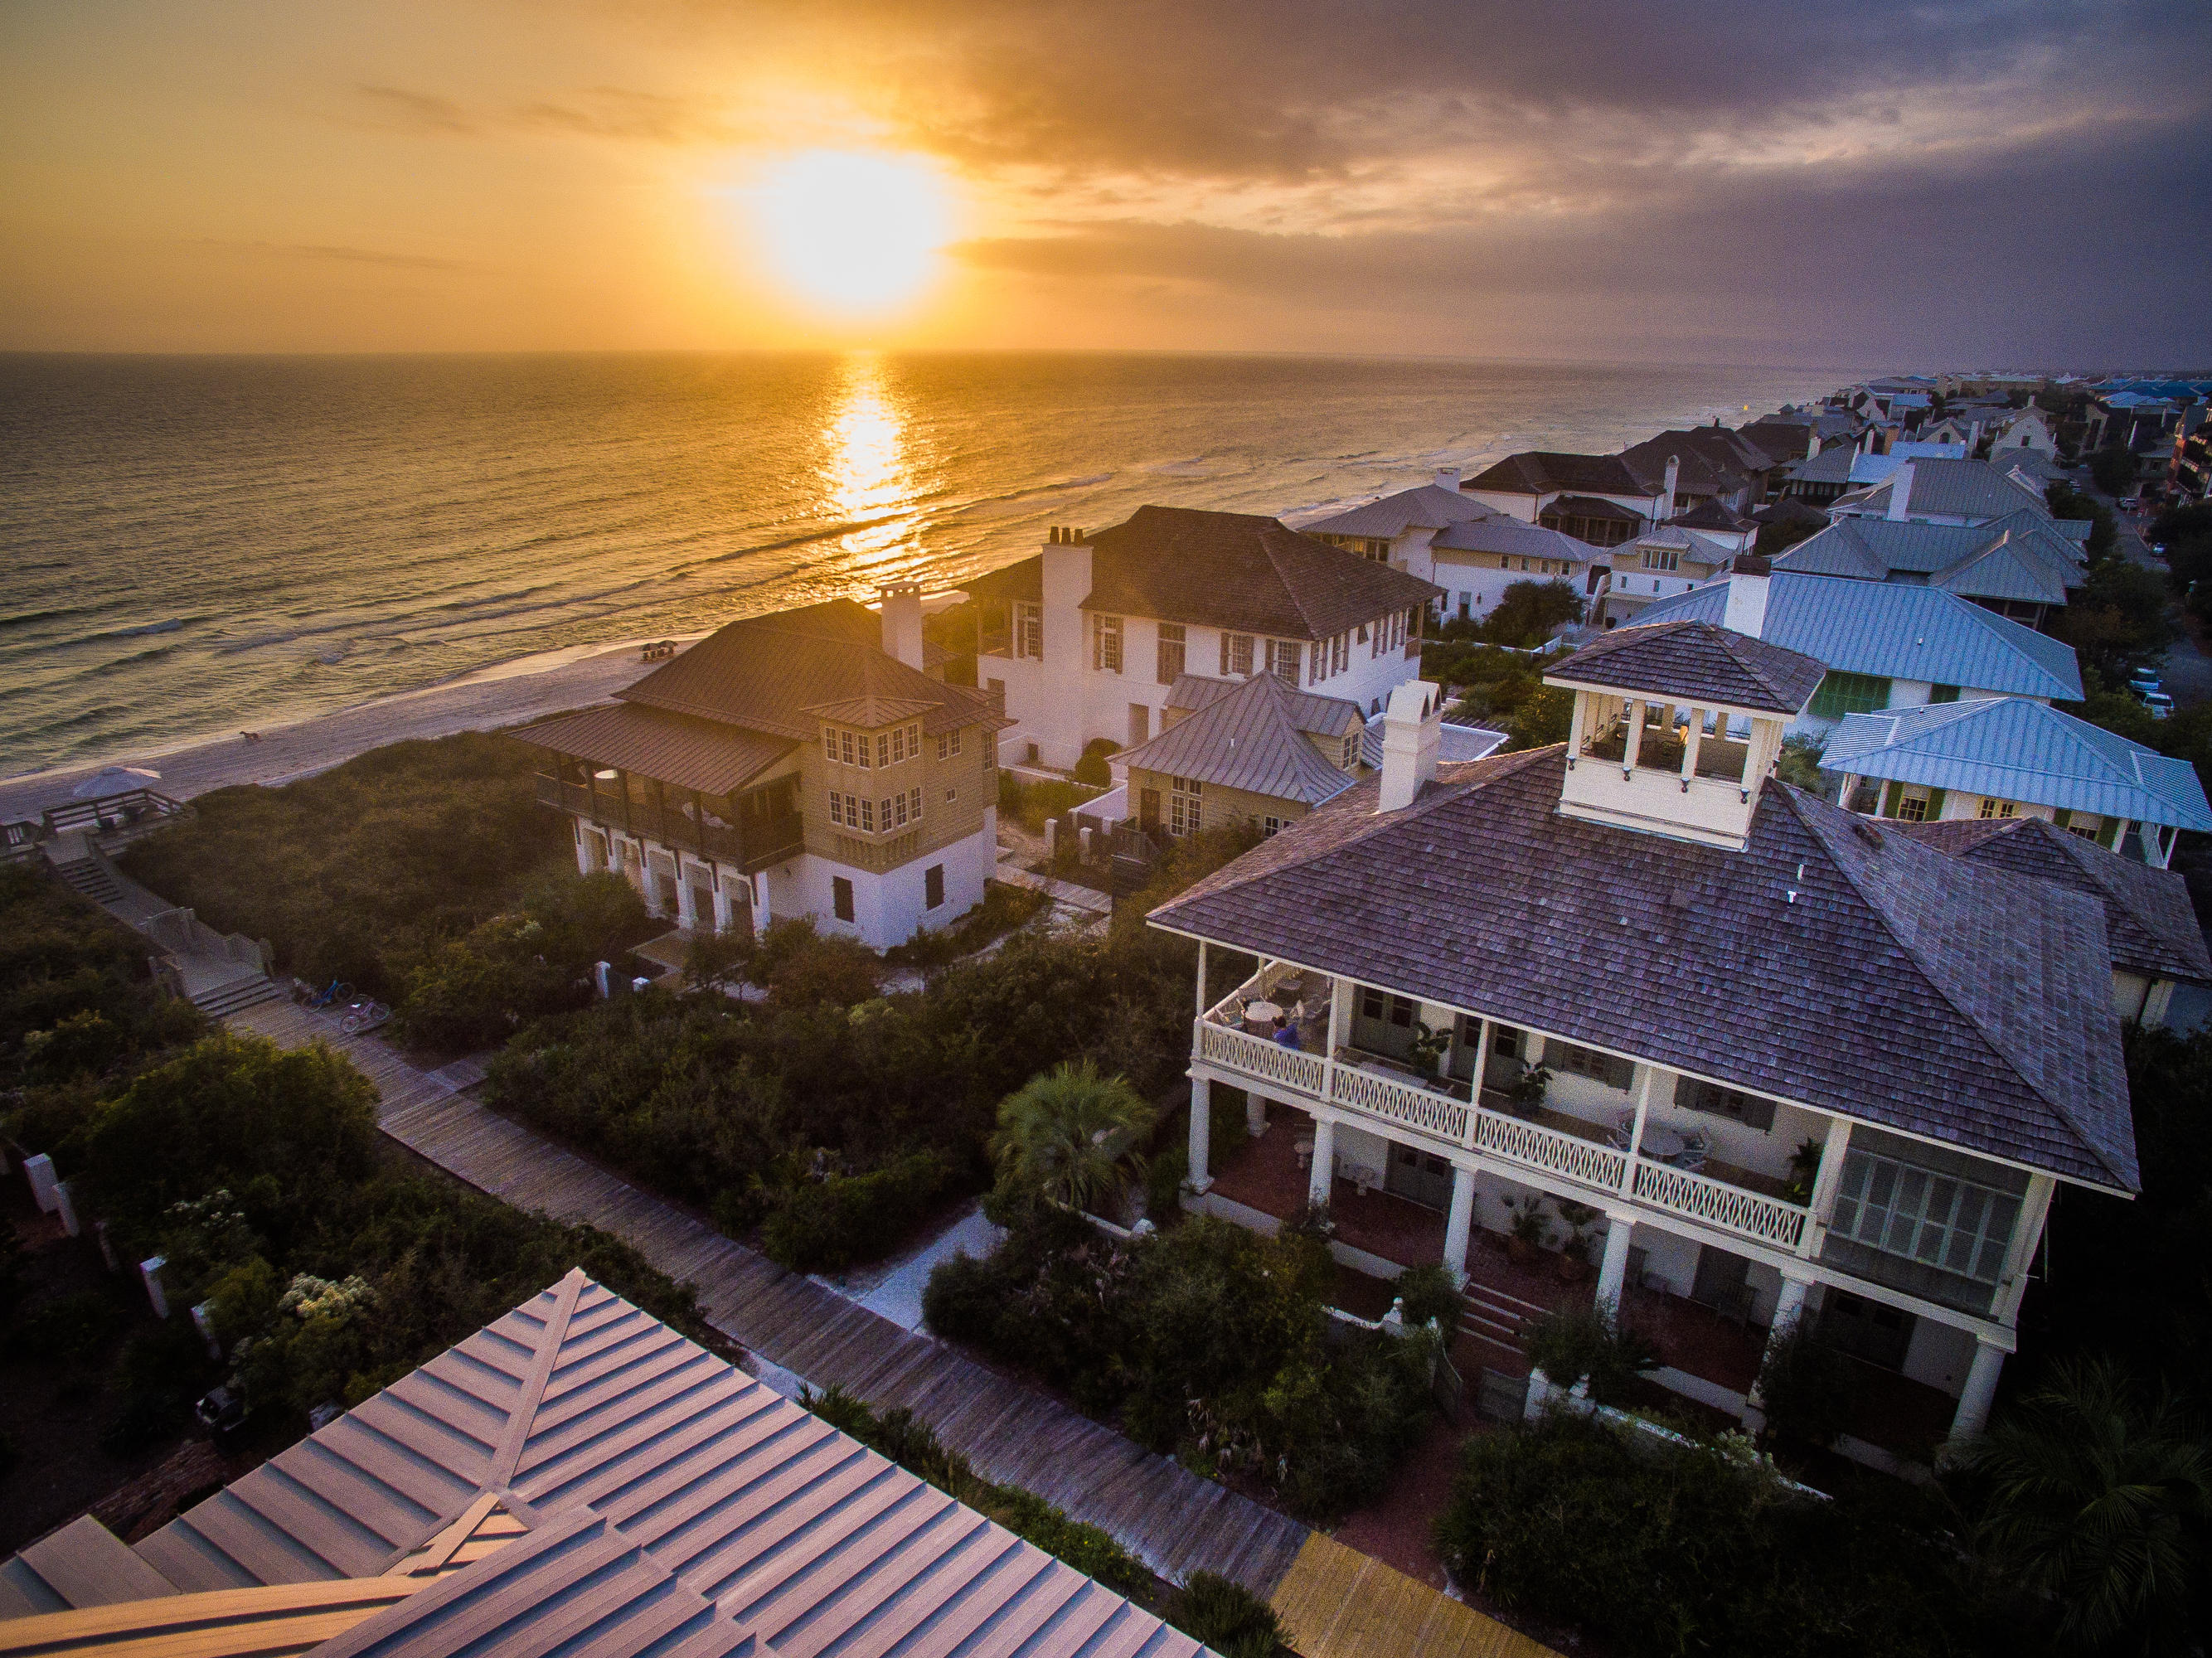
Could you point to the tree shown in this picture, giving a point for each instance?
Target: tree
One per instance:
(2099, 1504)
(1070, 1134)
(1799, 764)
(2118, 622)
(1544, 718)
(2065, 501)
(2114, 469)
(1530, 612)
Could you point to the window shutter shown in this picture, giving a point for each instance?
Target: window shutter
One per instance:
(1934, 805)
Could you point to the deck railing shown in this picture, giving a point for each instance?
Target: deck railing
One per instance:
(1731, 1208)
(1379, 1095)
(1257, 1056)
(771, 841)
(1552, 1149)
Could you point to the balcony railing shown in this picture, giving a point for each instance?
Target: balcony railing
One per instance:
(769, 840)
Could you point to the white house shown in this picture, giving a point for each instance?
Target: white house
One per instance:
(1085, 640)
(1470, 552)
(1747, 1046)
(1960, 492)
(798, 763)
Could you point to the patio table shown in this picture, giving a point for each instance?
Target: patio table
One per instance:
(1260, 1016)
(1664, 1144)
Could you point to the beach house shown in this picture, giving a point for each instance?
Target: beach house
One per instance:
(1472, 552)
(2021, 566)
(1082, 641)
(1957, 492)
(1631, 999)
(799, 763)
(1886, 644)
(1600, 500)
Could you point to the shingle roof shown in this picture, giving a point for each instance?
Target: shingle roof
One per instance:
(1510, 537)
(1711, 515)
(1248, 739)
(1429, 506)
(1894, 631)
(766, 673)
(1900, 987)
(1592, 506)
(674, 1505)
(1780, 441)
(2151, 923)
(1231, 570)
(1702, 466)
(706, 755)
(1693, 660)
(2016, 750)
(1541, 472)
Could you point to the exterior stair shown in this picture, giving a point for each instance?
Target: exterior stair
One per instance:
(1498, 1322)
(218, 1001)
(89, 877)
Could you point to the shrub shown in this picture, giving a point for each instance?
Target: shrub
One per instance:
(827, 1224)
(1569, 1343)
(1092, 770)
(1227, 1617)
(801, 968)
(1430, 1293)
(70, 1331)
(1805, 1386)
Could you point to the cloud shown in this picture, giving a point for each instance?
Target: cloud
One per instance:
(422, 112)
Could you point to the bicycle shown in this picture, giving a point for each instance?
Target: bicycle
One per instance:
(363, 1016)
(336, 991)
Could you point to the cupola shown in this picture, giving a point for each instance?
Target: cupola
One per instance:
(1677, 725)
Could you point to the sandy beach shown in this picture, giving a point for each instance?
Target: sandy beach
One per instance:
(508, 694)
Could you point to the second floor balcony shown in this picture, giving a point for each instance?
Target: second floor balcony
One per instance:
(755, 830)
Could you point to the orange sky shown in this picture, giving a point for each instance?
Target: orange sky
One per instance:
(1603, 179)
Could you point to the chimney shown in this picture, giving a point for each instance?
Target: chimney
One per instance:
(1448, 478)
(902, 614)
(1666, 507)
(1900, 492)
(1747, 595)
(1411, 725)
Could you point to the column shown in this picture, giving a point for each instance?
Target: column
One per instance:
(1256, 1113)
(583, 865)
(1788, 1307)
(1690, 739)
(1323, 1168)
(1459, 1223)
(686, 911)
(1201, 1131)
(1612, 1274)
(1972, 1415)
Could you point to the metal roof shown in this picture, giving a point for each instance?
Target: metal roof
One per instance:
(1894, 631)
(2021, 556)
(1429, 506)
(706, 755)
(2016, 750)
(1510, 537)
(1455, 743)
(1693, 660)
(668, 1504)
(1248, 739)
(1326, 716)
(1959, 489)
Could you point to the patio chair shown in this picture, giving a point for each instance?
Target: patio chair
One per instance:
(1693, 1153)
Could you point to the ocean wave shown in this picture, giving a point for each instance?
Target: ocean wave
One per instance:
(1059, 486)
(167, 627)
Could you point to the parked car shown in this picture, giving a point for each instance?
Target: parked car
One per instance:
(2129, 503)
(2160, 704)
(2145, 679)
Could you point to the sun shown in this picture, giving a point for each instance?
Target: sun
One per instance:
(853, 232)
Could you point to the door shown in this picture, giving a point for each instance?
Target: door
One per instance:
(1867, 1329)
(1420, 1176)
(702, 907)
(1720, 1275)
(1148, 808)
(1381, 1023)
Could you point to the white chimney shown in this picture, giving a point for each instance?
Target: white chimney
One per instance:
(1448, 478)
(1666, 507)
(1411, 727)
(1747, 595)
(1900, 492)
(902, 614)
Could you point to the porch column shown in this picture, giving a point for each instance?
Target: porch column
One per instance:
(1634, 737)
(1201, 1131)
(583, 865)
(1201, 978)
(1459, 1223)
(1256, 1113)
(1636, 1130)
(1825, 1182)
(1612, 1274)
(1691, 739)
(1972, 1415)
(687, 912)
(1324, 1162)
(1788, 1307)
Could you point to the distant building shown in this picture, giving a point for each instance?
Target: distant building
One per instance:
(2031, 429)
(2020, 567)
(1963, 492)
(798, 763)
(1597, 499)
(1666, 559)
(1084, 639)
(1255, 752)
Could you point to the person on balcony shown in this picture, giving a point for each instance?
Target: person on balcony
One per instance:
(1286, 1034)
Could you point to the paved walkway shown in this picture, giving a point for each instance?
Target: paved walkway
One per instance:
(1341, 1604)
(1090, 899)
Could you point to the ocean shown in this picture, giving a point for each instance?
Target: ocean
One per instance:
(191, 546)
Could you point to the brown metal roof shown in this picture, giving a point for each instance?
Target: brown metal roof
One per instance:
(870, 711)
(1249, 738)
(1695, 660)
(705, 754)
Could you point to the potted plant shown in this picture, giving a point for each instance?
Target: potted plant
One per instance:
(1527, 1090)
(1804, 1169)
(1529, 1231)
(1574, 1253)
(1429, 1048)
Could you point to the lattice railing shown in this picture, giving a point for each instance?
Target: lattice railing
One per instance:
(1229, 1009)
(1539, 1147)
(1718, 1203)
(1256, 1056)
(1428, 1109)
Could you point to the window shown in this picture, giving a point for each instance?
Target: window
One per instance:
(1236, 654)
(1849, 692)
(1169, 667)
(1106, 643)
(943, 746)
(1350, 753)
(2087, 829)
(846, 739)
(1506, 1040)
(836, 807)
(932, 886)
(868, 814)
(951, 795)
(1283, 659)
(1939, 1220)
(1997, 808)
(830, 743)
(1658, 559)
(1913, 808)
(883, 748)
(1381, 1005)
(1184, 813)
(1613, 1072)
(1029, 630)
(841, 897)
(1942, 693)
(898, 745)
(1715, 1101)
(895, 812)
(1270, 827)
(914, 803)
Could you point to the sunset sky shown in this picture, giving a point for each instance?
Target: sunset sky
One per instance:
(1929, 184)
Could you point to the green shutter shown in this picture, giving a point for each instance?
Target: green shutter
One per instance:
(2109, 834)
(2059, 818)
(1934, 805)
(1890, 792)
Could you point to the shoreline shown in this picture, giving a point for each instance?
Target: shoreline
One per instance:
(512, 693)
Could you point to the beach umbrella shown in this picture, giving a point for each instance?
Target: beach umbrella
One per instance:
(114, 779)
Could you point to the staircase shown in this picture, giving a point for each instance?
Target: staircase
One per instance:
(1498, 1323)
(217, 1001)
(90, 877)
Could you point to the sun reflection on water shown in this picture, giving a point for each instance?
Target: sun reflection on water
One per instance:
(866, 462)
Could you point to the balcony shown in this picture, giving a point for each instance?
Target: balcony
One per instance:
(1592, 1158)
(762, 842)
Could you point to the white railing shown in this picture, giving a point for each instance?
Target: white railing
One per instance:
(1257, 1056)
(1516, 1140)
(1229, 1009)
(1408, 1104)
(1716, 1203)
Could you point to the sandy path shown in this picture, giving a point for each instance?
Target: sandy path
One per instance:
(504, 695)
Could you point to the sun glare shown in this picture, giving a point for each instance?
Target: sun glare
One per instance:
(852, 231)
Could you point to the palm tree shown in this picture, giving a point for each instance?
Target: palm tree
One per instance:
(1068, 1133)
(2096, 1503)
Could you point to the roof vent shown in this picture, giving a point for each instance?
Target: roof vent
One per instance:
(1867, 832)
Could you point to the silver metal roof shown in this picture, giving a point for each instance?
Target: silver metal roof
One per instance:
(1960, 489)
(673, 1505)
(1247, 737)
(2020, 556)
(2016, 750)
(1509, 536)
(1895, 631)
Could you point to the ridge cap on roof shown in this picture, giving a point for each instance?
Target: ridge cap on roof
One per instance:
(2062, 1109)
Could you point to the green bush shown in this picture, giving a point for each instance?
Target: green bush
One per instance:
(1428, 1293)
(1227, 1617)
(1805, 1386)
(73, 1330)
(801, 968)
(1092, 770)
(1570, 1343)
(827, 1225)
(75, 997)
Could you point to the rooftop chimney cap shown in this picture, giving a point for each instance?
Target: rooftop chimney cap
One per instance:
(1752, 564)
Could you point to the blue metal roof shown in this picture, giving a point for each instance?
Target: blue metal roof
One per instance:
(1894, 631)
(2015, 750)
